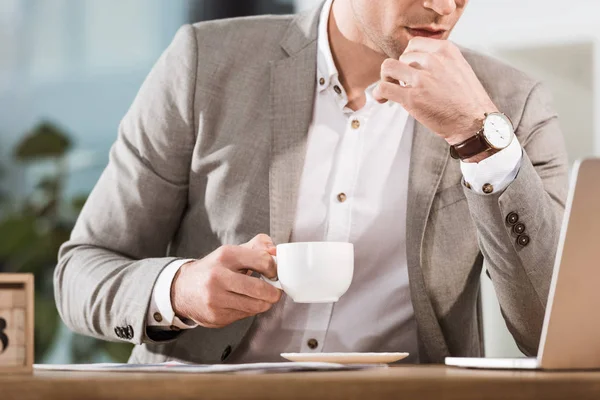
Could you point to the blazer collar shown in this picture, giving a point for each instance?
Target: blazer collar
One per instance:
(302, 32)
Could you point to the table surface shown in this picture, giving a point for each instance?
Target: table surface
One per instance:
(405, 382)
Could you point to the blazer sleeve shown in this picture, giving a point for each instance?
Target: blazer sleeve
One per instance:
(519, 255)
(106, 271)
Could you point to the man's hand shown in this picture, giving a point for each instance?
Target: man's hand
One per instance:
(442, 92)
(218, 289)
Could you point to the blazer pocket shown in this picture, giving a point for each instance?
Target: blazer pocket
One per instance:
(448, 196)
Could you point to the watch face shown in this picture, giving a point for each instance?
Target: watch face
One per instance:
(498, 130)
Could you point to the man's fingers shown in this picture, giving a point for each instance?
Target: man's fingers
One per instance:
(425, 45)
(224, 307)
(397, 78)
(245, 304)
(417, 60)
(239, 258)
(388, 91)
(394, 71)
(260, 242)
(252, 287)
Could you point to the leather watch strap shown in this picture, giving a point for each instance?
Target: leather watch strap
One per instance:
(470, 147)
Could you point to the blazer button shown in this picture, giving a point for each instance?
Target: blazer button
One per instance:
(512, 218)
(118, 332)
(129, 332)
(523, 240)
(519, 228)
(226, 353)
(312, 344)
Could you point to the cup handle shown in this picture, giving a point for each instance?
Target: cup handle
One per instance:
(273, 282)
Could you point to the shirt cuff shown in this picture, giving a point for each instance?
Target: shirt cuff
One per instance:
(160, 313)
(496, 172)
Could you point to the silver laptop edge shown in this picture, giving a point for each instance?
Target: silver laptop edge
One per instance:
(533, 363)
(558, 259)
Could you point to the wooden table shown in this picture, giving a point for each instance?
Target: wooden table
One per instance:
(407, 382)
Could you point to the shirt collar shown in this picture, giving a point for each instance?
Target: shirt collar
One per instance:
(327, 74)
(327, 71)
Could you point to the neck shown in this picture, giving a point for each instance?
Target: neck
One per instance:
(358, 64)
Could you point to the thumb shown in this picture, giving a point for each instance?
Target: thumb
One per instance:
(261, 242)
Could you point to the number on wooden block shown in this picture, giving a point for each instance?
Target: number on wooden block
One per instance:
(16, 323)
(3, 334)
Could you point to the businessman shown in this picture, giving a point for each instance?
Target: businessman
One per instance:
(358, 121)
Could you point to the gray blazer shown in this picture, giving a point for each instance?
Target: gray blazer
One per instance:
(211, 153)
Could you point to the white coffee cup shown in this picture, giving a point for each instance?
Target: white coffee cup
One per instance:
(314, 272)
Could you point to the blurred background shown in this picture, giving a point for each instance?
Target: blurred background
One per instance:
(69, 70)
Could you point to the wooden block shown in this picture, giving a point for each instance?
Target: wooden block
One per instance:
(6, 298)
(18, 315)
(16, 323)
(11, 296)
(19, 298)
(6, 312)
(13, 356)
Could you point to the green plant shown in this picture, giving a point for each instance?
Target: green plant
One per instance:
(4, 197)
(32, 235)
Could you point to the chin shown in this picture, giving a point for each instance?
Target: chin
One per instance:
(394, 47)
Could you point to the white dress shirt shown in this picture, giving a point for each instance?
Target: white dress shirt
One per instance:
(353, 188)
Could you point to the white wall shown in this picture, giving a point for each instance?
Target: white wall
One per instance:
(553, 40)
(302, 5)
(79, 63)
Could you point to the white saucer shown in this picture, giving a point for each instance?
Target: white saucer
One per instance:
(346, 358)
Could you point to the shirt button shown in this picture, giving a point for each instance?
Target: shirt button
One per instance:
(467, 185)
(519, 228)
(157, 317)
(355, 124)
(322, 81)
(312, 344)
(342, 197)
(512, 218)
(337, 89)
(523, 240)
(487, 188)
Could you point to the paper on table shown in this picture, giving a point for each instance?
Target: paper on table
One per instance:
(206, 369)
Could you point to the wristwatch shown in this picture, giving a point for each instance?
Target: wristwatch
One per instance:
(496, 133)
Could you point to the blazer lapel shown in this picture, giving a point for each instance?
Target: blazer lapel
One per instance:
(292, 91)
(293, 82)
(428, 161)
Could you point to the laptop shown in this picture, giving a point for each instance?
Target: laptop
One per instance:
(571, 332)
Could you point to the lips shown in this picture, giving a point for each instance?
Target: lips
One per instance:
(427, 32)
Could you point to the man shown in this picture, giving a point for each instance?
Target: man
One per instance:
(334, 125)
